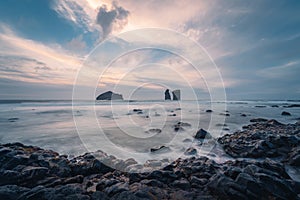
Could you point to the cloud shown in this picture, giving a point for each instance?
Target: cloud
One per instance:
(77, 44)
(114, 19)
(30, 61)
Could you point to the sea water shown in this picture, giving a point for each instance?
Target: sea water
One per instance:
(129, 129)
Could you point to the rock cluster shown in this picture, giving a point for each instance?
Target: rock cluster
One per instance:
(29, 172)
(269, 139)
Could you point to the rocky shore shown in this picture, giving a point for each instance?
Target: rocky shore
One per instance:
(263, 151)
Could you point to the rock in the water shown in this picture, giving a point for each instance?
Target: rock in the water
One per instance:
(208, 111)
(191, 151)
(154, 130)
(286, 113)
(110, 96)
(202, 134)
(167, 95)
(258, 120)
(160, 149)
(176, 95)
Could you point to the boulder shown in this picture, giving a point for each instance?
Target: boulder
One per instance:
(286, 113)
(176, 95)
(202, 134)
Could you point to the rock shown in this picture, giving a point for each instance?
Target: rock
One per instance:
(160, 149)
(137, 110)
(172, 115)
(293, 106)
(182, 184)
(286, 113)
(11, 192)
(183, 124)
(260, 106)
(167, 95)
(178, 127)
(258, 120)
(243, 115)
(202, 134)
(225, 114)
(176, 95)
(34, 172)
(116, 188)
(191, 151)
(109, 95)
(13, 119)
(208, 111)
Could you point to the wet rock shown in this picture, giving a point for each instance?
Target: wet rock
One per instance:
(154, 130)
(11, 192)
(258, 120)
(243, 115)
(116, 188)
(191, 151)
(137, 110)
(209, 111)
(286, 113)
(13, 119)
(202, 134)
(159, 149)
(182, 184)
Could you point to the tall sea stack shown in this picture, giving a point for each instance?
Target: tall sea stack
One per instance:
(176, 95)
(167, 95)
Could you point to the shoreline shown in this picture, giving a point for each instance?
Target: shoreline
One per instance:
(264, 152)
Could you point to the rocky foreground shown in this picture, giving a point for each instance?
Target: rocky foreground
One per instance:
(28, 172)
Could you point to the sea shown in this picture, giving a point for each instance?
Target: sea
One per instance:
(143, 130)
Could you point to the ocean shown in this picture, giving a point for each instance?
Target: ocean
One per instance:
(130, 129)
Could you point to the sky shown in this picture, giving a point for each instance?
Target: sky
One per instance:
(249, 48)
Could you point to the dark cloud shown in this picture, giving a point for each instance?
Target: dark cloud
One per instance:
(114, 19)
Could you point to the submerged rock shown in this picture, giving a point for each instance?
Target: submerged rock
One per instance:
(286, 113)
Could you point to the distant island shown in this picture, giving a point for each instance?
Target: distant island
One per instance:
(175, 93)
(109, 95)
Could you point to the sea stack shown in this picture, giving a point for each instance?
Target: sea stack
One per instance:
(176, 95)
(109, 96)
(167, 95)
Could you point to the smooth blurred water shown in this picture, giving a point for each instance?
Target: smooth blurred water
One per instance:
(116, 129)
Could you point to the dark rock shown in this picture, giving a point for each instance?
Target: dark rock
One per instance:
(167, 95)
(293, 106)
(184, 124)
(116, 188)
(11, 192)
(258, 120)
(137, 110)
(160, 149)
(286, 113)
(154, 130)
(178, 128)
(225, 114)
(13, 119)
(176, 95)
(243, 115)
(260, 106)
(202, 134)
(208, 111)
(191, 151)
(182, 184)
(109, 96)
